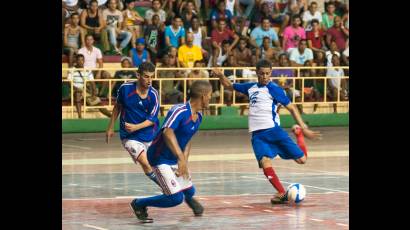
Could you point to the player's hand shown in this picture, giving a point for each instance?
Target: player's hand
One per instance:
(313, 135)
(131, 127)
(108, 134)
(182, 169)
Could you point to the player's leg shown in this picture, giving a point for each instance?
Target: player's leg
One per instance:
(189, 191)
(138, 153)
(171, 188)
(288, 149)
(77, 101)
(300, 139)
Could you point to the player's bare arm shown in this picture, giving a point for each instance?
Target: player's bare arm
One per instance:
(110, 130)
(172, 143)
(306, 131)
(187, 150)
(224, 80)
(134, 127)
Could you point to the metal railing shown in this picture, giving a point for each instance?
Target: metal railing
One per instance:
(221, 102)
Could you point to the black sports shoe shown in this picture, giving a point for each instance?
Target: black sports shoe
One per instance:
(280, 199)
(195, 206)
(141, 213)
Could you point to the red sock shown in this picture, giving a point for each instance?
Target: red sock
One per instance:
(300, 140)
(273, 179)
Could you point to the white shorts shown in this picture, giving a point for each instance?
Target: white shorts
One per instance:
(169, 181)
(135, 148)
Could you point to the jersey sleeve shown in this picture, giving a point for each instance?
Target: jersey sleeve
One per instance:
(175, 118)
(243, 87)
(278, 94)
(120, 95)
(154, 106)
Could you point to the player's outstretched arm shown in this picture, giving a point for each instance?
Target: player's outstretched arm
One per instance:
(134, 127)
(224, 80)
(110, 129)
(187, 150)
(172, 143)
(306, 131)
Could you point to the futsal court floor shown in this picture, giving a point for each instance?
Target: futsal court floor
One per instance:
(99, 181)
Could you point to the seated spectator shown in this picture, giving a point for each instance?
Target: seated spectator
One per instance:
(337, 33)
(173, 57)
(92, 21)
(126, 62)
(232, 6)
(266, 51)
(114, 27)
(199, 35)
(196, 73)
(133, 22)
(243, 54)
(220, 55)
(92, 55)
(249, 5)
(187, 14)
(310, 88)
(220, 13)
(309, 15)
(139, 54)
(332, 51)
(329, 16)
(155, 9)
(273, 14)
(345, 54)
(175, 33)
(153, 35)
(315, 37)
(169, 88)
(196, 6)
(293, 34)
(319, 61)
(262, 31)
(78, 77)
(73, 34)
(340, 7)
(189, 53)
(221, 33)
(240, 26)
(335, 84)
(299, 56)
(171, 9)
(68, 7)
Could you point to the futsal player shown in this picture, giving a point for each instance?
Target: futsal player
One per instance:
(169, 154)
(268, 138)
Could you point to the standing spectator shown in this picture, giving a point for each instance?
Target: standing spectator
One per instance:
(345, 54)
(293, 34)
(139, 54)
(243, 54)
(299, 56)
(315, 37)
(332, 51)
(92, 55)
(169, 89)
(196, 73)
(153, 35)
(309, 15)
(266, 51)
(220, 54)
(220, 13)
(73, 34)
(335, 84)
(188, 14)
(221, 33)
(262, 31)
(114, 27)
(126, 62)
(199, 35)
(133, 22)
(337, 33)
(78, 77)
(155, 9)
(329, 16)
(274, 16)
(175, 33)
(92, 21)
(189, 53)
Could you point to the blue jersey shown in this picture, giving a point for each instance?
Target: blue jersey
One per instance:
(263, 103)
(135, 110)
(137, 60)
(179, 118)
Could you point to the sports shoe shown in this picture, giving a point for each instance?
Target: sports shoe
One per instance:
(195, 206)
(141, 212)
(279, 198)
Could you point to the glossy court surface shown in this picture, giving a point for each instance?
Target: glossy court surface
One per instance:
(99, 180)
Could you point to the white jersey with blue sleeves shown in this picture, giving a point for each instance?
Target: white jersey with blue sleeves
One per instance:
(263, 103)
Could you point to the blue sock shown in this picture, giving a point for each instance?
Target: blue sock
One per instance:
(189, 193)
(152, 177)
(161, 201)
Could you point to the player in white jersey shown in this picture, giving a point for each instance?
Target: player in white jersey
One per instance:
(268, 138)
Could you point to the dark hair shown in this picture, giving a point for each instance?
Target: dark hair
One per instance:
(224, 42)
(89, 35)
(92, 1)
(146, 67)
(155, 15)
(79, 55)
(282, 54)
(194, 17)
(221, 20)
(313, 3)
(199, 88)
(265, 38)
(264, 18)
(219, 2)
(314, 21)
(263, 63)
(156, 1)
(199, 61)
(176, 16)
(296, 16)
(303, 40)
(74, 14)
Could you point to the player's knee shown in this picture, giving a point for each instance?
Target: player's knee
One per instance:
(301, 160)
(176, 198)
(189, 193)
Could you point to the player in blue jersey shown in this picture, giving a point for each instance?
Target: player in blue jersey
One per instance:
(138, 106)
(169, 152)
(268, 138)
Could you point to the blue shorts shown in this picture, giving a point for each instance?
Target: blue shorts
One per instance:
(273, 141)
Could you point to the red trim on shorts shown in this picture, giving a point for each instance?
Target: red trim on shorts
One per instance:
(139, 154)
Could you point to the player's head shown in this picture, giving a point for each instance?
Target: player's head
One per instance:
(79, 59)
(89, 40)
(201, 92)
(264, 71)
(146, 72)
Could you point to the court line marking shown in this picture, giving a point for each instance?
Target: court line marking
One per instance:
(76, 146)
(247, 206)
(118, 188)
(226, 202)
(267, 210)
(318, 220)
(345, 225)
(291, 215)
(95, 227)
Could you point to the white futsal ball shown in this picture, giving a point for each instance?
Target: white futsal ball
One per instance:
(296, 193)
